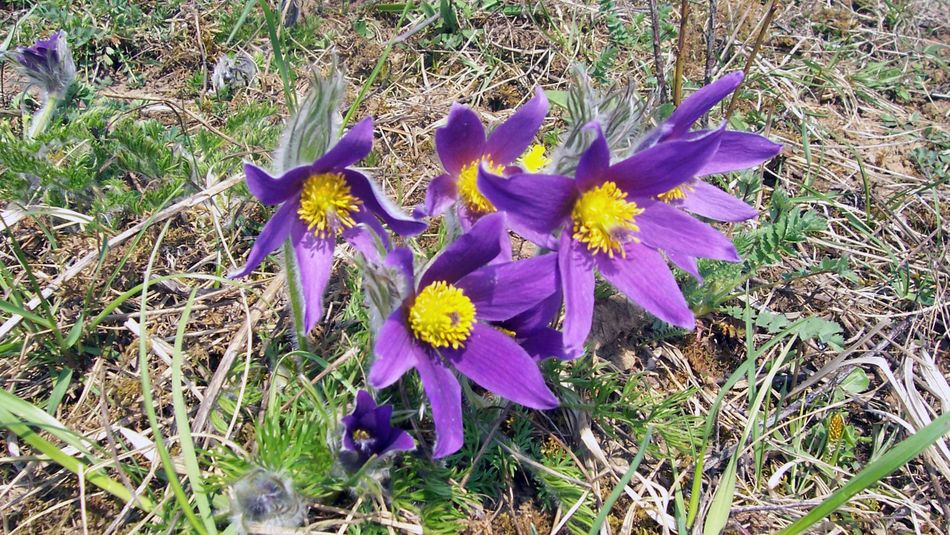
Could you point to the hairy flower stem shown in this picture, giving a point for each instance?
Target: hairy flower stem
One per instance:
(296, 296)
(41, 119)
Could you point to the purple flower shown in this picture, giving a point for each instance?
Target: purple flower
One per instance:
(462, 147)
(320, 202)
(369, 432)
(532, 330)
(445, 323)
(737, 151)
(610, 221)
(48, 63)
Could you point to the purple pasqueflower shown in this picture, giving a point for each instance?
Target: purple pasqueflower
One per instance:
(320, 202)
(609, 220)
(463, 147)
(48, 63)
(532, 330)
(737, 151)
(444, 323)
(369, 432)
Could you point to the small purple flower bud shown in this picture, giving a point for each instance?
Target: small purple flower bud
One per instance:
(369, 432)
(48, 63)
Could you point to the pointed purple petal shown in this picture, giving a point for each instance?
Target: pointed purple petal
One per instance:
(314, 260)
(468, 252)
(275, 190)
(364, 404)
(538, 316)
(594, 163)
(738, 151)
(461, 141)
(537, 203)
(507, 142)
(664, 166)
(709, 201)
(646, 280)
(272, 236)
(545, 343)
(445, 399)
(396, 351)
(401, 442)
(497, 363)
(686, 263)
(352, 147)
(699, 103)
(665, 227)
(577, 279)
(379, 204)
(440, 194)
(502, 291)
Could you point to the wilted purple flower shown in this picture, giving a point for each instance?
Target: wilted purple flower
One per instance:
(48, 63)
(369, 432)
(737, 151)
(322, 201)
(462, 147)
(444, 323)
(610, 220)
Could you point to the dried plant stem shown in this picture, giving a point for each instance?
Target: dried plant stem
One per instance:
(680, 53)
(763, 28)
(657, 51)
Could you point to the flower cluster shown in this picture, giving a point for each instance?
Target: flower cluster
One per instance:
(475, 311)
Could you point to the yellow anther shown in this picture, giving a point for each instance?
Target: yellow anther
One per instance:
(442, 315)
(675, 194)
(533, 160)
(468, 186)
(604, 218)
(327, 204)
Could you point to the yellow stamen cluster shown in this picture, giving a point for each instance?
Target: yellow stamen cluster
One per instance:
(327, 204)
(603, 219)
(361, 435)
(534, 160)
(675, 194)
(442, 315)
(468, 187)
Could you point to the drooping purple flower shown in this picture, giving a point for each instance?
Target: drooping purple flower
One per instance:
(48, 63)
(463, 147)
(737, 151)
(318, 203)
(368, 432)
(445, 323)
(609, 220)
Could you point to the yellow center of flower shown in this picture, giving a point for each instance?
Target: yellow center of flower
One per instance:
(509, 332)
(675, 194)
(442, 315)
(604, 218)
(361, 435)
(468, 187)
(327, 204)
(534, 160)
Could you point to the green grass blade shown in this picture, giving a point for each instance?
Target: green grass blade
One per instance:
(609, 504)
(19, 311)
(286, 74)
(898, 456)
(181, 421)
(60, 385)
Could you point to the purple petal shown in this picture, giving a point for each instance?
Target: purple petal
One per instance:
(351, 148)
(275, 190)
(461, 141)
(440, 194)
(687, 264)
(537, 203)
(502, 291)
(664, 166)
(497, 363)
(401, 259)
(468, 252)
(593, 165)
(445, 398)
(379, 204)
(646, 280)
(538, 316)
(545, 343)
(709, 201)
(699, 103)
(738, 151)
(507, 142)
(665, 227)
(272, 236)
(577, 280)
(364, 404)
(314, 260)
(396, 351)
(401, 442)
